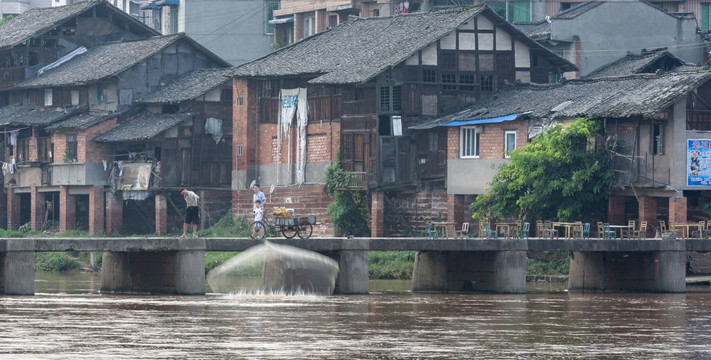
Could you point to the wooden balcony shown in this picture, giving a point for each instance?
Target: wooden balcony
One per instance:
(698, 120)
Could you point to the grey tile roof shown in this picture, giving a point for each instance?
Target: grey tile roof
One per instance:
(81, 121)
(359, 49)
(637, 64)
(101, 62)
(143, 127)
(189, 86)
(34, 22)
(26, 115)
(642, 94)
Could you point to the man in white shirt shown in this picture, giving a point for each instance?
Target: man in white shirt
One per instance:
(192, 213)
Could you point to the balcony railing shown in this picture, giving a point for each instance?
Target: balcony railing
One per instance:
(698, 120)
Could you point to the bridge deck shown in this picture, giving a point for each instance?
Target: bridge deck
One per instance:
(133, 244)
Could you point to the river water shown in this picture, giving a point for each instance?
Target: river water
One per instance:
(69, 319)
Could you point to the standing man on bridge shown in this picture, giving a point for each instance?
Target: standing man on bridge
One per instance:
(258, 195)
(192, 213)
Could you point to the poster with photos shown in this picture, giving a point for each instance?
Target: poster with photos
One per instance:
(698, 162)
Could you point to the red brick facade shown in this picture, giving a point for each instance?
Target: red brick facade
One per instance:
(67, 209)
(37, 208)
(114, 214)
(377, 209)
(13, 210)
(161, 215)
(677, 209)
(96, 209)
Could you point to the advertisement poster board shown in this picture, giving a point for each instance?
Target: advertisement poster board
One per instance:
(698, 162)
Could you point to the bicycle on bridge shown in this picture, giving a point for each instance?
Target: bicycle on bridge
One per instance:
(282, 221)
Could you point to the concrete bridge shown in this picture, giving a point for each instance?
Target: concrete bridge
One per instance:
(170, 265)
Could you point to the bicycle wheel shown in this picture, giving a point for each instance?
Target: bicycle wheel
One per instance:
(288, 231)
(304, 229)
(257, 230)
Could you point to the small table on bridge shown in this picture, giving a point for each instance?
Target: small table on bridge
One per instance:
(441, 227)
(622, 229)
(685, 228)
(505, 229)
(568, 227)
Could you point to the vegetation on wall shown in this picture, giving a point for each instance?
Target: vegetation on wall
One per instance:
(348, 209)
(558, 175)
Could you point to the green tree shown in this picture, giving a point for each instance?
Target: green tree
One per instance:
(349, 207)
(558, 175)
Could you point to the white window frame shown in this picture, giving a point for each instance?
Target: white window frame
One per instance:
(466, 133)
(507, 152)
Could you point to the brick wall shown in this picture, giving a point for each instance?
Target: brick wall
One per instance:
(677, 210)
(322, 141)
(89, 151)
(13, 210)
(97, 210)
(306, 200)
(491, 139)
(377, 212)
(67, 209)
(37, 208)
(114, 214)
(417, 208)
(161, 215)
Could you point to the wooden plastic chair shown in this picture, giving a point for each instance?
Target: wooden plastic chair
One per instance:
(539, 228)
(582, 231)
(600, 230)
(465, 230)
(430, 232)
(548, 230)
(642, 232)
(490, 233)
(524, 231)
(607, 233)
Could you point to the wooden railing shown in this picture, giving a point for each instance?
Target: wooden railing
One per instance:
(44, 149)
(698, 120)
(23, 150)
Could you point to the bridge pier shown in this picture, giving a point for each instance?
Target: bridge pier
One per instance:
(165, 272)
(17, 268)
(501, 271)
(353, 272)
(661, 270)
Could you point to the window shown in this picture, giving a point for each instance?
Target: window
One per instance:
(467, 81)
(510, 143)
(75, 97)
(173, 19)
(239, 101)
(269, 13)
(70, 153)
(469, 142)
(566, 5)
(47, 97)
(513, 11)
(704, 16)
(659, 139)
(449, 82)
(309, 26)
(429, 75)
(390, 99)
(487, 83)
(332, 20)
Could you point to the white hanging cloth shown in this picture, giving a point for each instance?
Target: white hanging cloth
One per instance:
(302, 120)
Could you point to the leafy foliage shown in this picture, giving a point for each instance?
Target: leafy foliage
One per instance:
(556, 176)
(390, 264)
(349, 207)
(227, 227)
(55, 261)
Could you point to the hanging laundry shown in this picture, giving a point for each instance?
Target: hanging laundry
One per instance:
(13, 137)
(214, 127)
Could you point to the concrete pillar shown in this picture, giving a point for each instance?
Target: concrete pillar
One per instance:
(116, 272)
(37, 205)
(677, 209)
(13, 209)
(96, 209)
(190, 266)
(17, 267)
(114, 214)
(616, 210)
(430, 272)
(353, 273)
(377, 211)
(67, 209)
(510, 272)
(648, 213)
(470, 271)
(161, 214)
(671, 266)
(587, 272)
